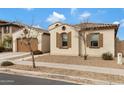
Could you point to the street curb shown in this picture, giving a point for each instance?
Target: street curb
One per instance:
(59, 77)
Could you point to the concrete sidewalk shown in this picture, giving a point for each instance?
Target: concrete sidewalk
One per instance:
(8, 55)
(112, 71)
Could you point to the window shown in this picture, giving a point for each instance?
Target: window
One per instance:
(94, 40)
(63, 28)
(64, 40)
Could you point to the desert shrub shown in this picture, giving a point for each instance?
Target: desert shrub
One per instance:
(38, 52)
(107, 56)
(8, 49)
(2, 49)
(85, 57)
(7, 63)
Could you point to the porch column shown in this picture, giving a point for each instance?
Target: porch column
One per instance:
(10, 30)
(14, 43)
(40, 41)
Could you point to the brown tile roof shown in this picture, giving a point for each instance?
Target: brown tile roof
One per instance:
(24, 25)
(32, 27)
(92, 26)
(95, 26)
(4, 21)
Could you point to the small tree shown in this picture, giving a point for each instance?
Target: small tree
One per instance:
(28, 37)
(84, 18)
(82, 34)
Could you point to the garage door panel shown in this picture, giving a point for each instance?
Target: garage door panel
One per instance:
(22, 45)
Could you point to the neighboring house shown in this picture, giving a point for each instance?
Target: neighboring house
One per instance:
(6, 30)
(65, 39)
(120, 46)
(40, 40)
(10, 33)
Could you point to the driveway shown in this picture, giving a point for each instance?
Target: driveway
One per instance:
(12, 55)
(8, 79)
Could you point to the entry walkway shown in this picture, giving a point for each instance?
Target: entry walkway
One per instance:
(105, 70)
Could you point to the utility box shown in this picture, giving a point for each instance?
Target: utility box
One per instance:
(119, 58)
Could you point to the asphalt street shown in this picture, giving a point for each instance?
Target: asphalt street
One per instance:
(9, 79)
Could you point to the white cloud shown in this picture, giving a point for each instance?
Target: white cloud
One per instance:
(85, 15)
(37, 26)
(56, 17)
(121, 22)
(116, 22)
(73, 11)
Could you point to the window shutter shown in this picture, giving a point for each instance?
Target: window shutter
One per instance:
(69, 40)
(58, 40)
(88, 40)
(100, 40)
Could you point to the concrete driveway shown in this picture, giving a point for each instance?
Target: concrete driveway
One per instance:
(10, 55)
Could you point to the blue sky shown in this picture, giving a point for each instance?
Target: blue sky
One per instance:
(43, 17)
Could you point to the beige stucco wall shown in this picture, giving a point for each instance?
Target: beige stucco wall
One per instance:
(45, 43)
(73, 51)
(108, 44)
(77, 44)
(20, 33)
(53, 25)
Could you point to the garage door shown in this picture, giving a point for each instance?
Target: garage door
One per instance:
(23, 47)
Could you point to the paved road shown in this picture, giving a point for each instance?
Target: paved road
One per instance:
(9, 79)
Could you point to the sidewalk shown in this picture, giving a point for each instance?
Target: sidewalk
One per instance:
(76, 67)
(10, 55)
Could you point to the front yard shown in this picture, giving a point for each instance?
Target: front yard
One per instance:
(92, 61)
(76, 60)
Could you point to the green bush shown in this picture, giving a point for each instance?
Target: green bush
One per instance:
(107, 56)
(38, 52)
(7, 63)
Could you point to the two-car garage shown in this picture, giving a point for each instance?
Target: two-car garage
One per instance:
(22, 45)
(41, 42)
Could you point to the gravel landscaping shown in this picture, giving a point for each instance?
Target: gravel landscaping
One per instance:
(92, 75)
(92, 61)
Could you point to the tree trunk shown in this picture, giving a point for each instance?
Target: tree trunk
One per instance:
(85, 51)
(84, 41)
(33, 60)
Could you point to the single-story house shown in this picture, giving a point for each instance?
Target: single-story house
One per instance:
(40, 40)
(74, 40)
